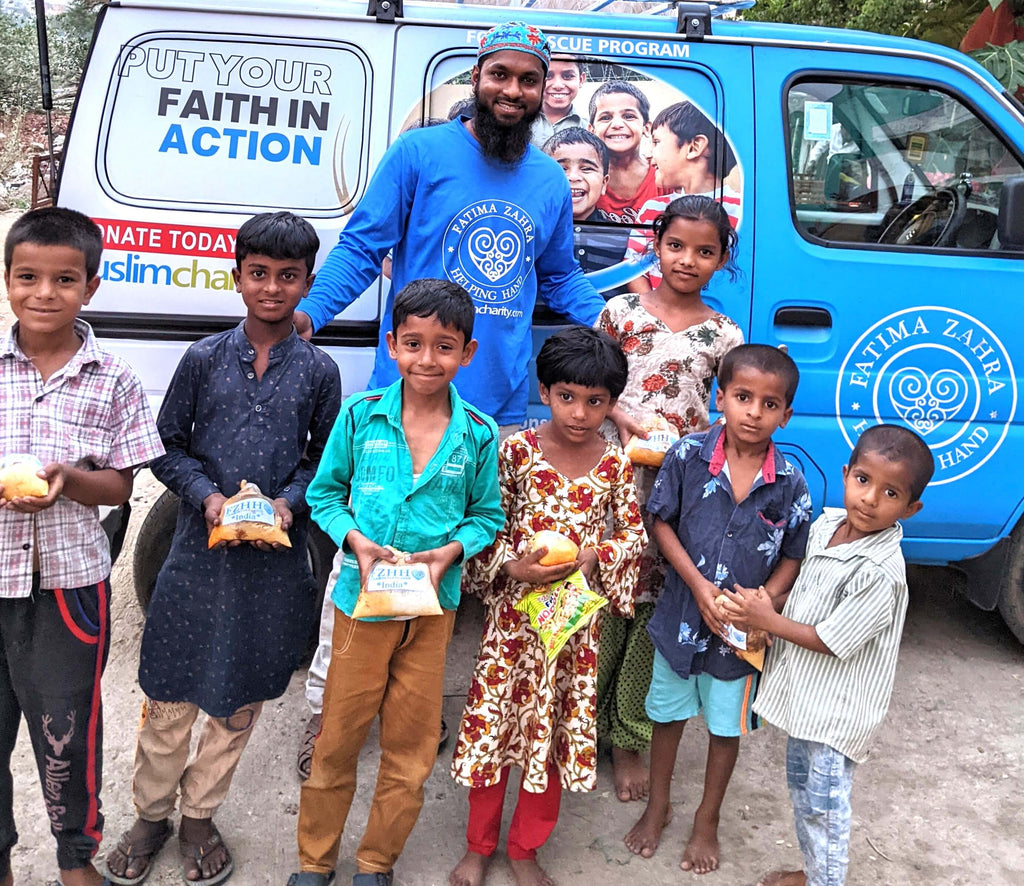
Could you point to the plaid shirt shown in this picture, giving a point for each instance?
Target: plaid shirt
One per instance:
(92, 413)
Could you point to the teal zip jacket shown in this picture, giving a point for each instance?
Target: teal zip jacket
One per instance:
(364, 482)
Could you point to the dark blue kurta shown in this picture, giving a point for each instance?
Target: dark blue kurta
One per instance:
(228, 627)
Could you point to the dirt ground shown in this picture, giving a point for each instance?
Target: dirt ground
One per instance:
(938, 804)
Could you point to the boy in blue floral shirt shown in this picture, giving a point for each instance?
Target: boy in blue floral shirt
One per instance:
(729, 510)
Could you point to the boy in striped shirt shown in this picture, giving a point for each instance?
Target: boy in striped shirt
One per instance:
(829, 676)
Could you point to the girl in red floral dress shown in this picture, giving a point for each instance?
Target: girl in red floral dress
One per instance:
(674, 343)
(524, 709)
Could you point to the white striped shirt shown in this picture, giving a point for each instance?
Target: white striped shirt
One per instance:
(855, 595)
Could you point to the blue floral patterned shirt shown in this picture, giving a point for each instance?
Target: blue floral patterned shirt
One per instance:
(729, 543)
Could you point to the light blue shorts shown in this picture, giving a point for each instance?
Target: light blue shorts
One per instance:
(725, 704)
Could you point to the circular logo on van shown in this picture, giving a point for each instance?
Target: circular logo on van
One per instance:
(940, 372)
(489, 250)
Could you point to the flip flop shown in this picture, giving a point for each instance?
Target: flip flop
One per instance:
(198, 851)
(143, 850)
(310, 878)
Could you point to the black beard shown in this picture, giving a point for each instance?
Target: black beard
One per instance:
(506, 143)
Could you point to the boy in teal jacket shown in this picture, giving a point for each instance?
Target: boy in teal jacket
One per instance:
(413, 467)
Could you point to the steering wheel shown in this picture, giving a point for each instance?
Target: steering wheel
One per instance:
(931, 220)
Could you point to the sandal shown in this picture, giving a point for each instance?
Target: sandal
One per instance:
(137, 850)
(194, 853)
(309, 878)
(304, 764)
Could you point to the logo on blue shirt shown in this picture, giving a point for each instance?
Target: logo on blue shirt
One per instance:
(488, 250)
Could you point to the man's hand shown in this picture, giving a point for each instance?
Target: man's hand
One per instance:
(529, 571)
(749, 606)
(303, 325)
(627, 426)
(704, 593)
(282, 510)
(53, 474)
(437, 560)
(586, 562)
(213, 504)
(367, 553)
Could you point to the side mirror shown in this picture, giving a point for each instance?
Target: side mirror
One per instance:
(1010, 224)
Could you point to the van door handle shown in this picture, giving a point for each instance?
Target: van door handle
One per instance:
(804, 316)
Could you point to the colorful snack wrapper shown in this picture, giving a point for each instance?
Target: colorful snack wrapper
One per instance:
(558, 611)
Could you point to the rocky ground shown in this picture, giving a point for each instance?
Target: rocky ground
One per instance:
(938, 804)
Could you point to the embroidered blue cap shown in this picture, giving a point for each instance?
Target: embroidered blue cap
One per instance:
(517, 36)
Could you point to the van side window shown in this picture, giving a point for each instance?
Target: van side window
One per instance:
(893, 164)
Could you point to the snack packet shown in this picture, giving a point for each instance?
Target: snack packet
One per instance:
(558, 611)
(249, 516)
(651, 452)
(18, 477)
(396, 590)
(748, 645)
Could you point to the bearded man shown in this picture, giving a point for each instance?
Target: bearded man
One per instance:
(474, 202)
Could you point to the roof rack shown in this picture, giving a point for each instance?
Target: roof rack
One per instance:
(388, 10)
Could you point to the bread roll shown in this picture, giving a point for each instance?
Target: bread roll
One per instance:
(18, 478)
(560, 549)
(651, 452)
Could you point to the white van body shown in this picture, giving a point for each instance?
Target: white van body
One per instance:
(881, 183)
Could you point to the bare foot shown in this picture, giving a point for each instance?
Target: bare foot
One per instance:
(643, 839)
(783, 878)
(701, 853)
(632, 780)
(528, 873)
(470, 870)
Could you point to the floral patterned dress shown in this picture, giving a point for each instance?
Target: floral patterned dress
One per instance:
(524, 709)
(670, 374)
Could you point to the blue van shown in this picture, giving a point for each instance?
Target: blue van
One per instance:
(879, 185)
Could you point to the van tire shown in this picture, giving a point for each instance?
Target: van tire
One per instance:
(154, 544)
(1011, 596)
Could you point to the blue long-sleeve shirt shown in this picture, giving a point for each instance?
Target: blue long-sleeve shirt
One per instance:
(365, 482)
(504, 233)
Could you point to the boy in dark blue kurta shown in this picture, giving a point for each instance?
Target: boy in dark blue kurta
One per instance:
(729, 511)
(226, 627)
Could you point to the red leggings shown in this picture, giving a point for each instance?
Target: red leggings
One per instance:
(532, 822)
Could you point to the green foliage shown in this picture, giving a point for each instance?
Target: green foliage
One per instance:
(69, 37)
(939, 21)
(1005, 63)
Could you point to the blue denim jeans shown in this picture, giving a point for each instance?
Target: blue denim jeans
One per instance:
(819, 779)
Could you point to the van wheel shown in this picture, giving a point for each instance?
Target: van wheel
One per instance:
(1011, 596)
(153, 545)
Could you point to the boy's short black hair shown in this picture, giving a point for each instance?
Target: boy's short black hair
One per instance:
(580, 355)
(57, 226)
(277, 235)
(428, 297)
(761, 358)
(623, 87)
(899, 444)
(577, 135)
(686, 121)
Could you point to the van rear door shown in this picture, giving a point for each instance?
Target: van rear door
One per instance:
(189, 122)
